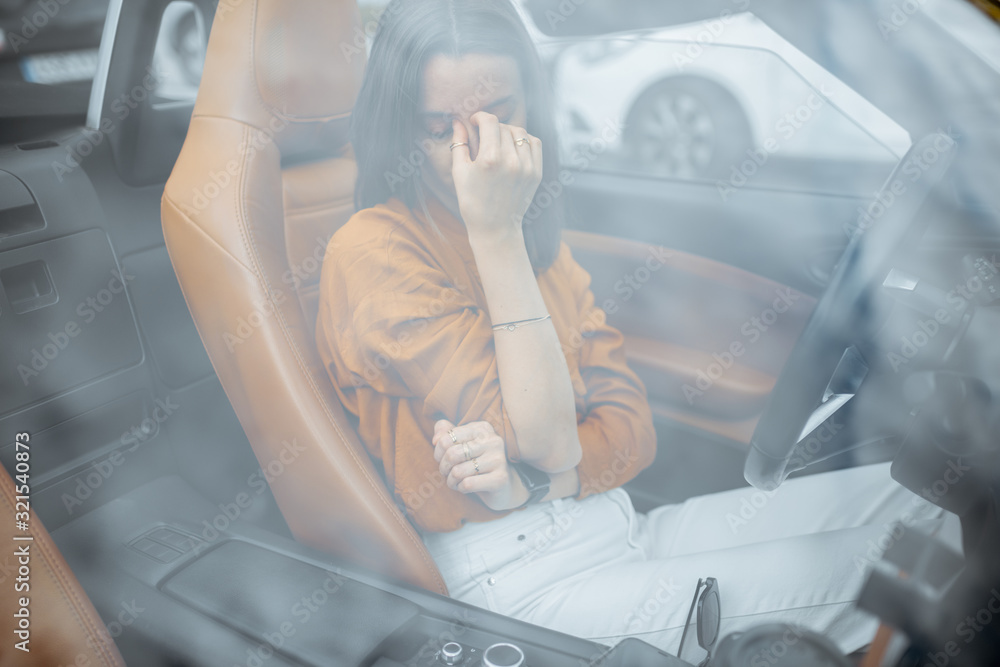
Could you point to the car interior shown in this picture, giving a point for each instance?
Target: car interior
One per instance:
(198, 495)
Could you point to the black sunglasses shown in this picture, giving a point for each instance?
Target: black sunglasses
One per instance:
(704, 617)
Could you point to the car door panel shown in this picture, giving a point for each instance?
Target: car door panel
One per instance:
(174, 346)
(85, 249)
(68, 295)
(707, 339)
(684, 322)
(796, 237)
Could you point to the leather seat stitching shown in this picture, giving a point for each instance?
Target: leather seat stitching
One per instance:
(65, 588)
(258, 275)
(283, 325)
(303, 367)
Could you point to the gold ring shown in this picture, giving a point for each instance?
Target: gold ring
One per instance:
(454, 438)
(522, 140)
(457, 144)
(475, 462)
(465, 448)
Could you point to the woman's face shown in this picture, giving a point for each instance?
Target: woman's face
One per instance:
(458, 88)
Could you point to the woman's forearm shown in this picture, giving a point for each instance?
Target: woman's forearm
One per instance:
(537, 391)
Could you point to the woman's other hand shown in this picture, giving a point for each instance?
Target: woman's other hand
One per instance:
(495, 190)
(477, 442)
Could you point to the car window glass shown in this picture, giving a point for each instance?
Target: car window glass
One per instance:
(179, 55)
(50, 43)
(680, 103)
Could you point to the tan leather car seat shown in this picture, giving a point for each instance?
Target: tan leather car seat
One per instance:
(63, 626)
(264, 179)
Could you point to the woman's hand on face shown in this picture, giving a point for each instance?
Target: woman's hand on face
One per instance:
(475, 441)
(495, 190)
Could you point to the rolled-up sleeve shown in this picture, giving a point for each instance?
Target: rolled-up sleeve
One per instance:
(616, 430)
(420, 336)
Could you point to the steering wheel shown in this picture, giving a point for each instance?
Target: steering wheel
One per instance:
(825, 368)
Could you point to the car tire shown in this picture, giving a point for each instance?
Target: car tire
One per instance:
(686, 127)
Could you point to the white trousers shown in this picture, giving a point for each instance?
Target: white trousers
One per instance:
(597, 569)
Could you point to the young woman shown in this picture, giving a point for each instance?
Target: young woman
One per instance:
(457, 327)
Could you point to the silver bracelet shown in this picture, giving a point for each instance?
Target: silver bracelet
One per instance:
(510, 326)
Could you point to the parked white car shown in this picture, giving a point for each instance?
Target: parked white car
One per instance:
(693, 100)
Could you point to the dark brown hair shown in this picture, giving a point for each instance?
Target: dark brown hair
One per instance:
(384, 127)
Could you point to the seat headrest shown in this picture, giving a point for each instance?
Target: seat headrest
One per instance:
(291, 68)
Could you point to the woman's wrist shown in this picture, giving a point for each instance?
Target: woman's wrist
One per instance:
(516, 495)
(508, 239)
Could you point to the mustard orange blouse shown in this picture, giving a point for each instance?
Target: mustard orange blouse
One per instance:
(405, 334)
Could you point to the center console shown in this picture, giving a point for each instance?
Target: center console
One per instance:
(204, 590)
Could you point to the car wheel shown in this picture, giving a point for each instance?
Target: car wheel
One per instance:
(686, 127)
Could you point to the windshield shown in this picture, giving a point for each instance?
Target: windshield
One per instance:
(49, 55)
